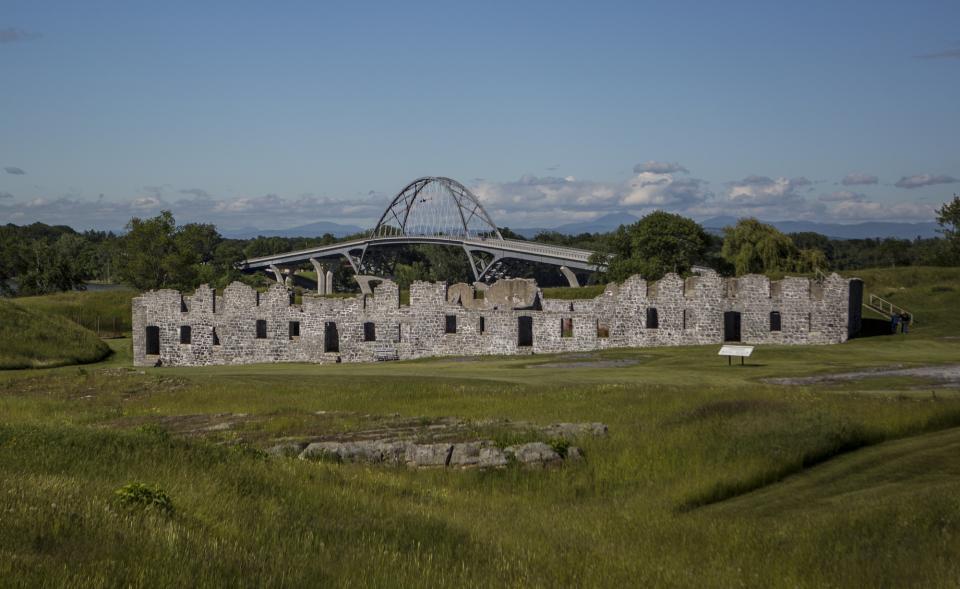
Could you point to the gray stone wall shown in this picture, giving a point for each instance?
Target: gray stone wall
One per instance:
(223, 330)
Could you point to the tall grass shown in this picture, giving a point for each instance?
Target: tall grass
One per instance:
(30, 339)
(107, 312)
(708, 477)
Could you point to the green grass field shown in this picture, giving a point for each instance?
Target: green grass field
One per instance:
(32, 339)
(709, 475)
(106, 312)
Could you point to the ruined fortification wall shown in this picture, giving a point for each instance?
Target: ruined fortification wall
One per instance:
(243, 326)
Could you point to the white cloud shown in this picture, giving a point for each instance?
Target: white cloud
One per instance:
(529, 201)
(532, 199)
(758, 191)
(921, 180)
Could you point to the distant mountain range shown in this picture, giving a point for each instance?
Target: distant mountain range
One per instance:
(602, 224)
(309, 230)
(606, 223)
(870, 229)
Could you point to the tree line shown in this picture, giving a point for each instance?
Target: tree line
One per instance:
(157, 253)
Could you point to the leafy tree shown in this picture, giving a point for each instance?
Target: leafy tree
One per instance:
(52, 267)
(406, 274)
(656, 244)
(507, 233)
(810, 259)
(158, 254)
(754, 247)
(948, 216)
(148, 251)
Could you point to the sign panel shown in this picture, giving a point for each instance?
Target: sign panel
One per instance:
(742, 351)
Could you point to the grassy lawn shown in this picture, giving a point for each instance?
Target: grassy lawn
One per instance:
(106, 311)
(709, 475)
(33, 339)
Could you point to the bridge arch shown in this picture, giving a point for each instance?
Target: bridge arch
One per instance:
(433, 210)
(435, 206)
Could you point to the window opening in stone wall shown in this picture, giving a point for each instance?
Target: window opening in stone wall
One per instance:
(809, 322)
(294, 330)
(653, 320)
(451, 324)
(369, 332)
(258, 298)
(153, 340)
(775, 323)
(686, 319)
(399, 332)
(603, 330)
(566, 327)
(184, 334)
(483, 325)
(524, 331)
(261, 329)
(731, 326)
(214, 336)
(331, 337)
(213, 301)
(183, 304)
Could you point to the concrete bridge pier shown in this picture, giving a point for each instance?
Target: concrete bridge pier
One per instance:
(277, 274)
(324, 277)
(321, 270)
(570, 276)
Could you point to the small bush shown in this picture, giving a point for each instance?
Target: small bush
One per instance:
(141, 496)
(560, 446)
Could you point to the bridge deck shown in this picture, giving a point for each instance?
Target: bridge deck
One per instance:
(502, 248)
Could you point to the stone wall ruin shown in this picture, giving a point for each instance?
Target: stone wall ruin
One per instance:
(244, 326)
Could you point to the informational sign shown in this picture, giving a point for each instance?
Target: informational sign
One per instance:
(731, 351)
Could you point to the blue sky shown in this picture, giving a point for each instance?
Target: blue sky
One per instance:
(278, 114)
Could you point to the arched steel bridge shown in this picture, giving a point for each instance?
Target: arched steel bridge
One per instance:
(438, 211)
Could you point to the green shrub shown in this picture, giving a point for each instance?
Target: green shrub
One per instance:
(141, 496)
(560, 446)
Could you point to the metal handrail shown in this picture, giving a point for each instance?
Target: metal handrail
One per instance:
(882, 305)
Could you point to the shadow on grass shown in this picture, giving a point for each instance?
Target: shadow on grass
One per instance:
(845, 441)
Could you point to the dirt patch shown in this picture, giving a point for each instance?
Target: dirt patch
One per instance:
(948, 374)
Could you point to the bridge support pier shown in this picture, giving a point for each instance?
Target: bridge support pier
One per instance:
(324, 285)
(570, 276)
(277, 274)
(364, 281)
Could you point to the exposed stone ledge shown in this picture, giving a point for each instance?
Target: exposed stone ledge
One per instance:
(481, 454)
